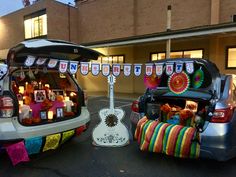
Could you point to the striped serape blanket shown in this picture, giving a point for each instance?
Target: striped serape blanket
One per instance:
(174, 140)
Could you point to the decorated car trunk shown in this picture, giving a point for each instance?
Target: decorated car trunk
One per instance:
(179, 102)
(183, 93)
(41, 84)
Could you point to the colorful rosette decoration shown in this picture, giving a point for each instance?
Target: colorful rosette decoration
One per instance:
(178, 83)
(152, 81)
(198, 78)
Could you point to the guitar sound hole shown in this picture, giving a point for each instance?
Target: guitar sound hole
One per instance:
(111, 120)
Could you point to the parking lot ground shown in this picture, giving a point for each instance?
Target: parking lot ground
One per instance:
(79, 158)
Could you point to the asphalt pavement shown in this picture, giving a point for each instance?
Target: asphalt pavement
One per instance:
(79, 158)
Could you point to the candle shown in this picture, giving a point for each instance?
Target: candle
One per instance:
(67, 98)
(68, 105)
(47, 85)
(26, 83)
(21, 89)
(50, 115)
(21, 103)
(40, 85)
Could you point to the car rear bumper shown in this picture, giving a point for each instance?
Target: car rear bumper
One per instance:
(217, 140)
(11, 129)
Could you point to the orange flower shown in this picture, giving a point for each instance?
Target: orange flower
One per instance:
(166, 108)
(185, 114)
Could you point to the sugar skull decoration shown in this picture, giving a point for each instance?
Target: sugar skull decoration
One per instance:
(178, 83)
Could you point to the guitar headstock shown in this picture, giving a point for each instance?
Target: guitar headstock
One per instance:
(111, 79)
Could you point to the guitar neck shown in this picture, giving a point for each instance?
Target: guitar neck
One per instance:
(111, 98)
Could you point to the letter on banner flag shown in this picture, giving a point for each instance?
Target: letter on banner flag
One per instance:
(73, 67)
(52, 63)
(116, 69)
(84, 68)
(29, 60)
(127, 69)
(105, 69)
(169, 68)
(178, 67)
(63, 66)
(41, 61)
(189, 67)
(95, 68)
(148, 69)
(137, 69)
(159, 69)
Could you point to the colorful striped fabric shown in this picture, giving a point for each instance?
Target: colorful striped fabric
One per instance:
(174, 140)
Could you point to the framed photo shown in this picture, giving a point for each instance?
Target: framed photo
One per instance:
(39, 95)
(58, 91)
(43, 115)
(60, 112)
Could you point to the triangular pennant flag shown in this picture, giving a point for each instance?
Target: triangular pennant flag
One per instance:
(63, 66)
(84, 68)
(189, 67)
(73, 67)
(178, 67)
(41, 61)
(159, 69)
(52, 63)
(116, 69)
(67, 135)
(17, 153)
(105, 69)
(127, 69)
(30, 60)
(148, 69)
(169, 68)
(52, 142)
(137, 69)
(33, 145)
(95, 68)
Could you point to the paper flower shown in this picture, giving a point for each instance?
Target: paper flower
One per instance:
(178, 83)
(198, 78)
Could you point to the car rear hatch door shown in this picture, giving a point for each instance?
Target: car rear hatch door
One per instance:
(51, 49)
(209, 88)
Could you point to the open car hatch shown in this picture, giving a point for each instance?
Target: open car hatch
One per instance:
(209, 88)
(51, 49)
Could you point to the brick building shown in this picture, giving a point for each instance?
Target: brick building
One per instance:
(130, 31)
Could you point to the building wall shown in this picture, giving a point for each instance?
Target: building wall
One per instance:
(12, 25)
(227, 9)
(100, 20)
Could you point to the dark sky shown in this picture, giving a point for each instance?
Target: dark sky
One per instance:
(8, 6)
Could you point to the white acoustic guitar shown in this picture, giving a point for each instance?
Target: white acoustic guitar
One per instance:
(111, 131)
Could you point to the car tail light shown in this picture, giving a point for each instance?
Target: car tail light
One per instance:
(222, 115)
(135, 106)
(6, 107)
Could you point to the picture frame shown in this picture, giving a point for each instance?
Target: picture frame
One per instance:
(58, 91)
(43, 115)
(39, 95)
(60, 112)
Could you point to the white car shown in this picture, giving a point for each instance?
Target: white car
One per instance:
(35, 98)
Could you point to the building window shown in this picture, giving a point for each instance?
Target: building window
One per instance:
(35, 24)
(120, 59)
(178, 54)
(231, 57)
